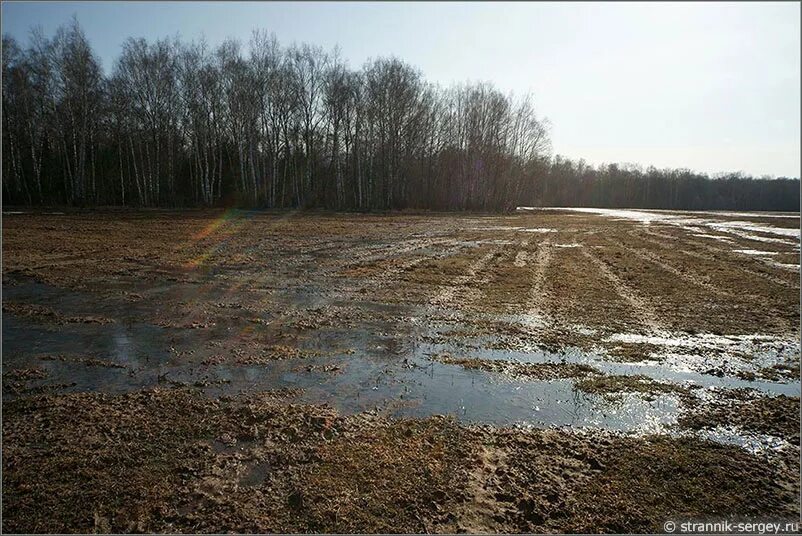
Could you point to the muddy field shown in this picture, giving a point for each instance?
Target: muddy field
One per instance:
(544, 371)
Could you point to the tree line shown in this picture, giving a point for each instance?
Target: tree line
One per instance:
(186, 124)
(564, 182)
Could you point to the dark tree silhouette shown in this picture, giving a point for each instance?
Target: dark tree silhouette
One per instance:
(563, 183)
(183, 124)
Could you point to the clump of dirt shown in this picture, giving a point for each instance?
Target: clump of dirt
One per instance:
(177, 324)
(488, 332)
(214, 360)
(275, 352)
(199, 384)
(29, 310)
(323, 317)
(83, 360)
(633, 352)
(775, 373)
(24, 374)
(329, 369)
(773, 415)
(23, 389)
(229, 305)
(16, 381)
(40, 313)
(612, 386)
(534, 371)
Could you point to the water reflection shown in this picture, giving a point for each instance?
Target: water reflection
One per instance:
(371, 365)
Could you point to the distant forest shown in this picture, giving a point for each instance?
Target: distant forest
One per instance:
(184, 124)
(567, 183)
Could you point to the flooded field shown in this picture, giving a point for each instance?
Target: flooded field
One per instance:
(548, 370)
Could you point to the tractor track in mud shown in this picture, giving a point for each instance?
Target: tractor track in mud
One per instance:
(406, 247)
(522, 256)
(538, 299)
(687, 276)
(483, 508)
(711, 258)
(640, 306)
(447, 296)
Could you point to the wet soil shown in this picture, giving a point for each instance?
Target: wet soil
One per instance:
(174, 460)
(539, 371)
(774, 415)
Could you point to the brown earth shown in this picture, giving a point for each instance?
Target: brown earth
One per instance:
(176, 461)
(775, 415)
(254, 288)
(618, 278)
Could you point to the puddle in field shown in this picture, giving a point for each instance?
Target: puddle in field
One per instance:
(754, 252)
(379, 362)
(699, 223)
(684, 369)
(703, 352)
(714, 237)
(785, 266)
(754, 443)
(519, 229)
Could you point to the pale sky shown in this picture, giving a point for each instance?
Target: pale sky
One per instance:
(711, 87)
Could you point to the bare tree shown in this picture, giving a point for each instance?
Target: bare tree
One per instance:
(190, 124)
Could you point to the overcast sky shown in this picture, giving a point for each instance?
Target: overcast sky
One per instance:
(712, 87)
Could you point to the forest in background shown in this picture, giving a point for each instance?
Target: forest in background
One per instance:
(568, 183)
(185, 124)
